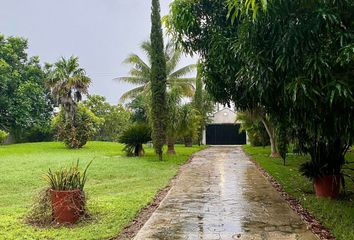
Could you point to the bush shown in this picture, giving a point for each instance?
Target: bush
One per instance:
(134, 138)
(3, 136)
(38, 133)
(76, 134)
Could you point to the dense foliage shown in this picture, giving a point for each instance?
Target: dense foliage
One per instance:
(202, 102)
(173, 118)
(252, 124)
(294, 60)
(134, 138)
(115, 118)
(189, 123)
(158, 80)
(25, 105)
(139, 109)
(83, 127)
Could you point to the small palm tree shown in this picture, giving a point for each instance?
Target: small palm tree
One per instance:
(68, 83)
(140, 72)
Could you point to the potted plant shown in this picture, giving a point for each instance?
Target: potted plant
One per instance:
(326, 178)
(67, 193)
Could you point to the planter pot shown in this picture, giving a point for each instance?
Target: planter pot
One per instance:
(327, 186)
(67, 206)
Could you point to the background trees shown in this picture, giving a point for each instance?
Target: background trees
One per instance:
(116, 118)
(202, 102)
(25, 105)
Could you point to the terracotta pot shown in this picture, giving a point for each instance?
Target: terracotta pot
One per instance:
(327, 186)
(67, 206)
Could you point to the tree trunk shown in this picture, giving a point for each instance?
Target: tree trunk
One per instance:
(271, 133)
(139, 150)
(171, 146)
(188, 141)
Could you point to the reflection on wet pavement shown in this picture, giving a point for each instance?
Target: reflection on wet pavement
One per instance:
(222, 195)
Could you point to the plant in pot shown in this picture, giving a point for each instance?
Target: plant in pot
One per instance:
(326, 177)
(67, 193)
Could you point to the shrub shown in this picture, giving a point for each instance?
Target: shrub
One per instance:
(3, 136)
(134, 138)
(67, 179)
(76, 134)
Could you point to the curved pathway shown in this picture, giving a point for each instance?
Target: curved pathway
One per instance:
(222, 195)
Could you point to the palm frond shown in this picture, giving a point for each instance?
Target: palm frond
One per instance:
(133, 80)
(137, 62)
(182, 80)
(133, 93)
(172, 62)
(187, 89)
(183, 71)
(146, 47)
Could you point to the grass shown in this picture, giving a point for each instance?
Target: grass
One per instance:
(117, 187)
(337, 215)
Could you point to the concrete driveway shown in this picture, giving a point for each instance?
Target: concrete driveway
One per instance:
(222, 195)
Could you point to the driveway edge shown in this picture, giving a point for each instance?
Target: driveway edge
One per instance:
(312, 223)
(131, 230)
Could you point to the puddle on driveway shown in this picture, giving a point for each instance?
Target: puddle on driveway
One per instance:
(222, 195)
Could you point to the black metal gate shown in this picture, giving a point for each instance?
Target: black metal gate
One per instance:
(224, 134)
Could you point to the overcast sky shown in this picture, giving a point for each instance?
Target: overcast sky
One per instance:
(100, 32)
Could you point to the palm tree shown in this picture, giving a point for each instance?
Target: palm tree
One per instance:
(141, 71)
(68, 83)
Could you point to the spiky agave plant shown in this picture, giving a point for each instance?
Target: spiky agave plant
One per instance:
(68, 178)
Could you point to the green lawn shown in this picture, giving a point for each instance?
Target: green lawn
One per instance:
(117, 188)
(337, 215)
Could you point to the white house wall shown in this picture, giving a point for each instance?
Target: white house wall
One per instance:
(224, 116)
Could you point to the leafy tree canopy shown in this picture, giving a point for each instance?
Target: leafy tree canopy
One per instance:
(294, 60)
(24, 101)
(116, 118)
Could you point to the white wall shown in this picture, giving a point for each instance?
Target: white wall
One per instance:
(223, 116)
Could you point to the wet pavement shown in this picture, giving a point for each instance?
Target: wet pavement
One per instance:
(222, 195)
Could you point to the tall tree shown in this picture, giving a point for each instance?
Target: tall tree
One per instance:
(68, 83)
(141, 71)
(25, 104)
(158, 80)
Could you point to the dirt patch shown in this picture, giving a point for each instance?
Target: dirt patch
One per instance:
(312, 223)
(138, 222)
